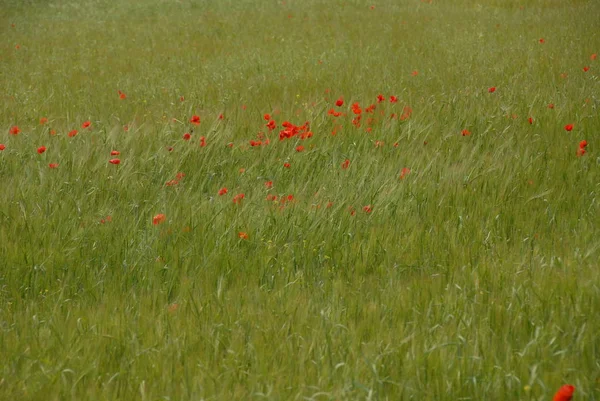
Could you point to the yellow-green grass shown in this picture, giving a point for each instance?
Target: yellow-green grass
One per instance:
(476, 275)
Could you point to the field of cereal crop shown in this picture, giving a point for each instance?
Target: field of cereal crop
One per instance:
(299, 200)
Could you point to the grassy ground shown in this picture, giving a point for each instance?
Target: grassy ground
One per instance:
(441, 264)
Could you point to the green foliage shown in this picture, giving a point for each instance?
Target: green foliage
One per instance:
(474, 277)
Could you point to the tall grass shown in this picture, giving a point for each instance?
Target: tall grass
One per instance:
(473, 276)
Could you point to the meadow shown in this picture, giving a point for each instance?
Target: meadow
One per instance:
(299, 200)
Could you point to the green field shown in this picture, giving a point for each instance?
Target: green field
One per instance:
(431, 239)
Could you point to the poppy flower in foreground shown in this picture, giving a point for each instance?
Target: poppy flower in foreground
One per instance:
(115, 153)
(339, 102)
(287, 165)
(299, 148)
(14, 130)
(530, 120)
(569, 127)
(492, 89)
(195, 120)
(267, 117)
(2, 146)
(115, 161)
(238, 198)
(159, 218)
(243, 235)
(222, 191)
(41, 149)
(187, 136)
(466, 132)
(565, 393)
(73, 133)
(393, 99)
(86, 124)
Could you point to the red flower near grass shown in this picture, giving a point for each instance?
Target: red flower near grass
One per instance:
(492, 89)
(269, 184)
(339, 102)
(565, 393)
(243, 235)
(187, 136)
(367, 209)
(86, 124)
(115, 153)
(466, 132)
(43, 120)
(238, 198)
(222, 191)
(2, 146)
(53, 165)
(287, 165)
(299, 148)
(586, 69)
(550, 105)
(115, 161)
(122, 95)
(41, 149)
(14, 130)
(159, 218)
(581, 150)
(346, 164)
(404, 172)
(530, 120)
(195, 120)
(267, 117)
(569, 127)
(393, 99)
(73, 133)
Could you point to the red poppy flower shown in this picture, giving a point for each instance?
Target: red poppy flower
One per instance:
(271, 125)
(339, 102)
(414, 73)
(43, 120)
(221, 116)
(114, 161)
(195, 120)
(269, 184)
(466, 132)
(41, 149)
(530, 120)
(222, 191)
(53, 165)
(542, 40)
(404, 172)
(86, 124)
(242, 170)
(586, 69)
(380, 98)
(52, 132)
(551, 105)
(583, 144)
(115, 153)
(393, 99)
(593, 57)
(187, 136)
(126, 128)
(122, 95)
(267, 117)
(179, 175)
(565, 393)
(581, 152)
(171, 183)
(73, 133)
(299, 148)
(202, 141)
(346, 164)
(569, 127)
(492, 89)
(14, 130)
(2, 146)
(159, 218)
(181, 98)
(287, 165)
(238, 198)
(367, 209)
(243, 235)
